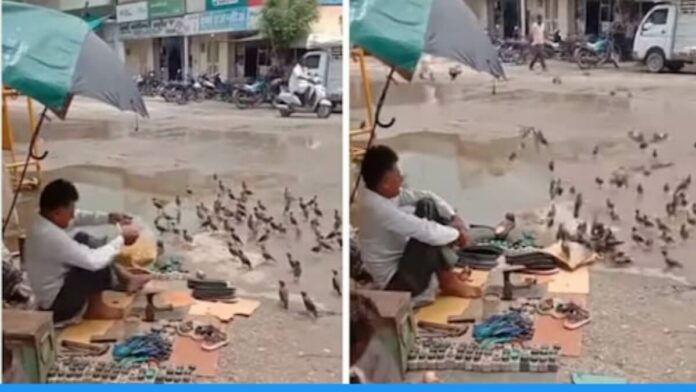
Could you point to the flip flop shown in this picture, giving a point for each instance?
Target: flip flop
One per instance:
(216, 340)
(187, 329)
(550, 271)
(577, 317)
(546, 307)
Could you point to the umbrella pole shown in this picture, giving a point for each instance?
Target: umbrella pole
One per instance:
(30, 154)
(376, 122)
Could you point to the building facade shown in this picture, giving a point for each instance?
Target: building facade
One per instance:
(190, 37)
(569, 17)
(174, 37)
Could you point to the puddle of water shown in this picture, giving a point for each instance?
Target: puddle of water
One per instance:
(473, 177)
(113, 189)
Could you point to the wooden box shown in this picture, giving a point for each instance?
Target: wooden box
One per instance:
(30, 334)
(400, 331)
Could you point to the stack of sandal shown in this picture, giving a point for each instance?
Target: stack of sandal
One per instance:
(534, 261)
(574, 316)
(211, 290)
(211, 337)
(479, 257)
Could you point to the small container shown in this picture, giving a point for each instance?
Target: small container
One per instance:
(491, 301)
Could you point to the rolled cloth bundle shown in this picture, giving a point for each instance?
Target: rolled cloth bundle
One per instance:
(140, 254)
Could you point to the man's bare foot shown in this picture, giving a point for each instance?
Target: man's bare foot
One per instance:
(454, 284)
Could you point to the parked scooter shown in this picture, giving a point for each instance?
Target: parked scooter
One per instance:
(314, 100)
(594, 54)
(208, 86)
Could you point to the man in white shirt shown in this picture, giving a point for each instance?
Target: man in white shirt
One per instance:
(298, 81)
(538, 38)
(406, 236)
(64, 272)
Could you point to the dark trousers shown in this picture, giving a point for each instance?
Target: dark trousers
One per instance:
(537, 55)
(80, 284)
(420, 261)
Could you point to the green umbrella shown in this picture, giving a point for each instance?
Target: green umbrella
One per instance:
(51, 56)
(399, 32)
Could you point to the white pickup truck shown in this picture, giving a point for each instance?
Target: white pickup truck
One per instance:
(325, 60)
(666, 37)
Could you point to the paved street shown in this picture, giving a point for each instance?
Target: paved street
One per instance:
(119, 163)
(455, 138)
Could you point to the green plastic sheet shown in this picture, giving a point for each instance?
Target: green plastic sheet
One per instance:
(36, 61)
(391, 30)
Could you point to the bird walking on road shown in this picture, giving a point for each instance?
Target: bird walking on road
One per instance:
(283, 295)
(670, 262)
(245, 260)
(309, 305)
(297, 270)
(336, 283)
(245, 189)
(266, 256)
(187, 237)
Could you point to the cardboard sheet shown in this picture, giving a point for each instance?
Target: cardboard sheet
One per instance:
(186, 351)
(441, 309)
(224, 311)
(550, 331)
(175, 298)
(564, 282)
(477, 278)
(579, 255)
(83, 332)
(570, 282)
(117, 299)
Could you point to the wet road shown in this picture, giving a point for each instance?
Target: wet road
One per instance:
(455, 138)
(119, 163)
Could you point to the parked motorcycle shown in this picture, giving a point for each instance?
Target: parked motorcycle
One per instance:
(314, 101)
(594, 54)
(254, 94)
(513, 51)
(209, 90)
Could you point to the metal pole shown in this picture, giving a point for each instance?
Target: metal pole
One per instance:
(186, 58)
(30, 151)
(376, 122)
(523, 18)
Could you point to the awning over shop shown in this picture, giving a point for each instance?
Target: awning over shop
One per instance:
(317, 41)
(250, 38)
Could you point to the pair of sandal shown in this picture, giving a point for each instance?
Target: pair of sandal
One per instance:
(573, 315)
(211, 337)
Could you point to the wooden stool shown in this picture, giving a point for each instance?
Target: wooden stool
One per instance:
(395, 309)
(31, 334)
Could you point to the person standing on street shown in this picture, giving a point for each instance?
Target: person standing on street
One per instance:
(538, 35)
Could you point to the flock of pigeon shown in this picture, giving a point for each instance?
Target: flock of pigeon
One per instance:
(231, 211)
(647, 232)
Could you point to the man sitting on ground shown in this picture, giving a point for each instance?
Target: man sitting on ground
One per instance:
(65, 271)
(406, 236)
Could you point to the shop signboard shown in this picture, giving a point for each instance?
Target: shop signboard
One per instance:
(253, 16)
(170, 27)
(212, 5)
(165, 8)
(132, 12)
(234, 19)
